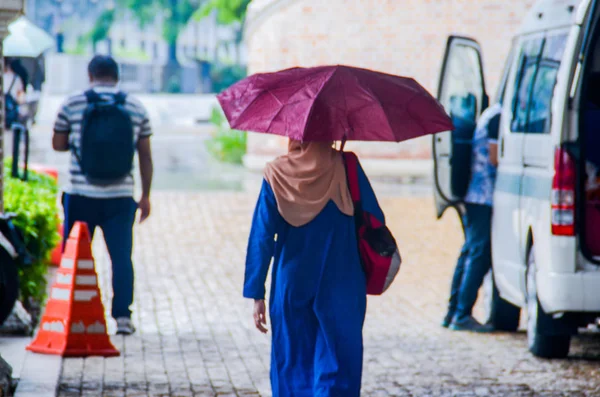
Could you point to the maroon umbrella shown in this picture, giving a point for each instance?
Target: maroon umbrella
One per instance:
(333, 103)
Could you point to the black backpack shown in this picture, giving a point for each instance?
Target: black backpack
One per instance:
(11, 107)
(107, 145)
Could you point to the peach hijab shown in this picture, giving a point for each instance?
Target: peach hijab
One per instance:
(306, 179)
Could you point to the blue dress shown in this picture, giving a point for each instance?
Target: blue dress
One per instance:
(318, 296)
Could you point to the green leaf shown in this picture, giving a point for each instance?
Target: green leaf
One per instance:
(228, 11)
(35, 205)
(101, 28)
(226, 145)
(216, 117)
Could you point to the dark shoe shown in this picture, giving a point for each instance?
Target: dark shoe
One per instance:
(471, 325)
(447, 320)
(125, 326)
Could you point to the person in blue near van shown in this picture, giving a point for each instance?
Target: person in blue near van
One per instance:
(476, 256)
(304, 221)
(103, 128)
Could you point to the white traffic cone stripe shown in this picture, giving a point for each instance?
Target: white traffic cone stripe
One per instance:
(85, 295)
(54, 326)
(78, 328)
(86, 280)
(96, 328)
(62, 278)
(60, 294)
(67, 263)
(86, 264)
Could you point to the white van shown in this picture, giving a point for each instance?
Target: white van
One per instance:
(546, 221)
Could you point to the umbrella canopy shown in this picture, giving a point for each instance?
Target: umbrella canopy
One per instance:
(26, 40)
(334, 103)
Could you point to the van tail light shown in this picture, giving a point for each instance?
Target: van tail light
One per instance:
(563, 194)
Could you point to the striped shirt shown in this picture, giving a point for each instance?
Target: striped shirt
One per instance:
(69, 121)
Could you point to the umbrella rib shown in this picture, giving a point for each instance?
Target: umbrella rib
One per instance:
(253, 100)
(274, 117)
(277, 99)
(387, 120)
(312, 106)
(346, 107)
(294, 93)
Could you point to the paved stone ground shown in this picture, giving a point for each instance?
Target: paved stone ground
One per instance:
(196, 336)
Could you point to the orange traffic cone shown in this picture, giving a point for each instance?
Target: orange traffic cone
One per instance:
(57, 251)
(73, 323)
(42, 169)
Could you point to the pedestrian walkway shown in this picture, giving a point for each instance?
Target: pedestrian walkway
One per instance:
(196, 337)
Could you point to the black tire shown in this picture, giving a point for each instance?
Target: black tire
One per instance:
(9, 285)
(540, 344)
(502, 315)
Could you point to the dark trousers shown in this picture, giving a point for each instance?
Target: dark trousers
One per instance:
(115, 216)
(474, 262)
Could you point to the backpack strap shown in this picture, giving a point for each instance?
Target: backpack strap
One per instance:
(351, 162)
(12, 84)
(92, 96)
(92, 99)
(120, 98)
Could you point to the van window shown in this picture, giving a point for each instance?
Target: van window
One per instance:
(545, 81)
(528, 62)
(464, 92)
(501, 92)
(538, 69)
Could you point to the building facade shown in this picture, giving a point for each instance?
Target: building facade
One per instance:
(403, 37)
(143, 51)
(204, 39)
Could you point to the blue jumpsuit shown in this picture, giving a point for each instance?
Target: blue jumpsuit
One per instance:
(318, 297)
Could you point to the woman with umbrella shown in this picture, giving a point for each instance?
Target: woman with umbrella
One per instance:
(304, 218)
(14, 92)
(25, 46)
(15, 79)
(318, 296)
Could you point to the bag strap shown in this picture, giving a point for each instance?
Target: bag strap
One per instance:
(92, 96)
(92, 99)
(351, 162)
(120, 98)
(12, 84)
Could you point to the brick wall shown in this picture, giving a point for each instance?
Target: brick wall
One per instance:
(405, 37)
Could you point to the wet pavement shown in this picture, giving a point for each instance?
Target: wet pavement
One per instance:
(196, 336)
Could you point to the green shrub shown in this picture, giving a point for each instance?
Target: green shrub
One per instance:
(35, 206)
(223, 76)
(226, 145)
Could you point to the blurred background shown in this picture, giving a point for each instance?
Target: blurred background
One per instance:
(175, 55)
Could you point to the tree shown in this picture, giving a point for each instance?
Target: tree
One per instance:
(228, 12)
(101, 28)
(175, 17)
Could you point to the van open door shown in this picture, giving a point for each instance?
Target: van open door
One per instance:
(462, 93)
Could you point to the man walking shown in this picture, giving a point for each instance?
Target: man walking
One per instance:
(476, 255)
(103, 128)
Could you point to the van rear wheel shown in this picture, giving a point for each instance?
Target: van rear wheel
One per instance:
(502, 315)
(540, 344)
